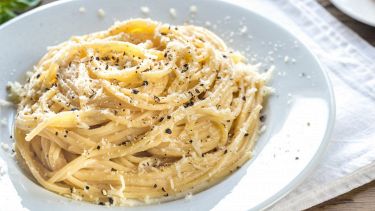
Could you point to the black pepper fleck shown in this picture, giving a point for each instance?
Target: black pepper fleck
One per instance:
(201, 96)
(190, 103)
(157, 99)
(135, 91)
(168, 131)
(185, 68)
(110, 200)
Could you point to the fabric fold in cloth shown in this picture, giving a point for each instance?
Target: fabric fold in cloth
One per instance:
(349, 161)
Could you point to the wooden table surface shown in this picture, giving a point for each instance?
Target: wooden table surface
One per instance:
(362, 198)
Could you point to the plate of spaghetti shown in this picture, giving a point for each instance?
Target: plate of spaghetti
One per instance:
(156, 105)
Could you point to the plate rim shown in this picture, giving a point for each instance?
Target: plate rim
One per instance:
(320, 152)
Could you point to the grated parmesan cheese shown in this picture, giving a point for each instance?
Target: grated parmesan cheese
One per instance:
(118, 192)
(82, 9)
(286, 59)
(188, 196)
(15, 90)
(173, 12)
(5, 147)
(145, 10)
(3, 122)
(101, 12)
(262, 129)
(193, 9)
(243, 30)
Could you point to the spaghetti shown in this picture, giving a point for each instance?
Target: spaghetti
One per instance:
(141, 112)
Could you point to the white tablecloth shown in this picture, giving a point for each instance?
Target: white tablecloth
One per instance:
(350, 61)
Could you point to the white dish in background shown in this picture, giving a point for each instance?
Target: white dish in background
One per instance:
(361, 10)
(300, 114)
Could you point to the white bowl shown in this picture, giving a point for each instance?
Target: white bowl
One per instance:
(300, 114)
(361, 10)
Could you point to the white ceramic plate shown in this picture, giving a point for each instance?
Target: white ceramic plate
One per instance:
(361, 10)
(299, 119)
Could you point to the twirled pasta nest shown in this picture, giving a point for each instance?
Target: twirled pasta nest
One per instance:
(143, 111)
